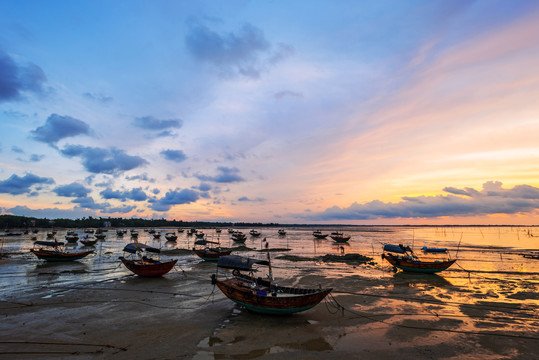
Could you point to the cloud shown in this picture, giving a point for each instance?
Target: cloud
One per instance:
(136, 194)
(151, 123)
(36, 158)
(58, 127)
(287, 93)
(492, 199)
(17, 149)
(106, 161)
(143, 177)
(174, 197)
(50, 213)
(245, 198)
(204, 187)
(98, 97)
(122, 209)
(89, 203)
(243, 53)
(16, 185)
(16, 79)
(227, 175)
(72, 190)
(174, 155)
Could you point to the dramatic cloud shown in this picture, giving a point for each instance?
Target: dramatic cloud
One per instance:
(244, 53)
(174, 197)
(135, 194)
(151, 123)
(59, 127)
(227, 175)
(72, 190)
(174, 155)
(16, 185)
(492, 199)
(16, 79)
(98, 160)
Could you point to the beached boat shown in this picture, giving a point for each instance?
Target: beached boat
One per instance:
(238, 236)
(263, 296)
(100, 236)
(88, 241)
(340, 237)
(402, 257)
(318, 234)
(281, 232)
(208, 252)
(143, 265)
(199, 234)
(55, 251)
(156, 235)
(72, 238)
(170, 236)
(255, 233)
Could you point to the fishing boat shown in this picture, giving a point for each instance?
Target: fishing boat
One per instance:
(433, 250)
(156, 235)
(100, 236)
(281, 232)
(142, 265)
(170, 236)
(318, 234)
(72, 238)
(88, 241)
(255, 233)
(199, 234)
(208, 252)
(340, 237)
(402, 257)
(55, 251)
(263, 296)
(238, 236)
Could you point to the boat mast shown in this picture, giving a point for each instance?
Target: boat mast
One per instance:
(270, 275)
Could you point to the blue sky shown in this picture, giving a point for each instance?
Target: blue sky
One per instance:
(302, 111)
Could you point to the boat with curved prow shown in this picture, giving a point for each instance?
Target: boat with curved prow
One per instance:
(209, 252)
(143, 265)
(403, 257)
(263, 296)
(54, 251)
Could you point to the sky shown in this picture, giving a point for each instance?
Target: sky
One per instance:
(312, 112)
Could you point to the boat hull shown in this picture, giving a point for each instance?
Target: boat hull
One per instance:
(147, 269)
(51, 255)
(284, 303)
(408, 265)
(211, 255)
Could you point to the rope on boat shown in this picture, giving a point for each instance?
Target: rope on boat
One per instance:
(335, 304)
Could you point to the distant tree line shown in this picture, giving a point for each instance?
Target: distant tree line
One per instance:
(23, 222)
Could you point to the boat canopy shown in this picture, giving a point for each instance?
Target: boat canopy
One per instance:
(399, 249)
(48, 243)
(133, 247)
(239, 262)
(205, 242)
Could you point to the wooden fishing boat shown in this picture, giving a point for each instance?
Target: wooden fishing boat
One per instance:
(156, 235)
(281, 232)
(72, 238)
(340, 237)
(318, 234)
(208, 252)
(402, 257)
(56, 252)
(263, 296)
(170, 236)
(143, 265)
(255, 233)
(238, 236)
(88, 241)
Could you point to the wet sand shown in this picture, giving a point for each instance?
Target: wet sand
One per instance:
(94, 309)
